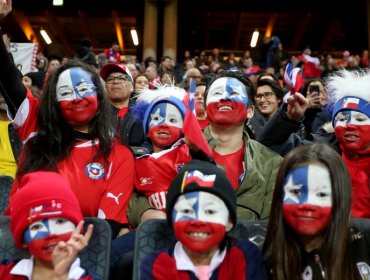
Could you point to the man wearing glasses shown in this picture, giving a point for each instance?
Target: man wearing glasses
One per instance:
(119, 86)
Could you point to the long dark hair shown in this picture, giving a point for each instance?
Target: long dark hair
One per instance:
(55, 137)
(282, 246)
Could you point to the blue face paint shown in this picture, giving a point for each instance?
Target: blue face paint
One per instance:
(42, 231)
(295, 186)
(189, 209)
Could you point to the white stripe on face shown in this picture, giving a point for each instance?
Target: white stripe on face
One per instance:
(344, 118)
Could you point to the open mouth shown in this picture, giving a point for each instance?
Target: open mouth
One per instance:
(351, 137)
(163, 133)
(224, 108)
(199, 235)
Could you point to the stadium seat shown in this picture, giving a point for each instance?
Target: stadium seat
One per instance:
(6, 183)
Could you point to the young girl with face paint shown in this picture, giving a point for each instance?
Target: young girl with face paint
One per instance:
(350, 92)
(48, 223)
(70, 131)
(309, 235)
(202, 209)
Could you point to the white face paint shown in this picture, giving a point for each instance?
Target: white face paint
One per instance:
(308, 184)
(227, 88)
(74, 83)
(202, 206)
(347, 117)
(166, 113)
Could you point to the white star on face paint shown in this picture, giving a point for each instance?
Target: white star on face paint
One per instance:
(288, 187)
(238, 89)
(183, 204)
(155, 118)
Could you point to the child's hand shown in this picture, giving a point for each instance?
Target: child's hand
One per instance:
(5, 8)
(65, 253)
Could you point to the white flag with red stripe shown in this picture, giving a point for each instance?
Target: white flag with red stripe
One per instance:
(24, 55)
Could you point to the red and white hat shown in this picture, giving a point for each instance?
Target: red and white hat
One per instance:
(114, 67)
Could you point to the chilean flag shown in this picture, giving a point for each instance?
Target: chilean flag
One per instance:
(191, 128)
(351, 102)
(199, 178)
(293, 78)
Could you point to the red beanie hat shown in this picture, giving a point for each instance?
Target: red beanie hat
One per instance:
(42, 195)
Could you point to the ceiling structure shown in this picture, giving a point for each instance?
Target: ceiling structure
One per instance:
(324, 25)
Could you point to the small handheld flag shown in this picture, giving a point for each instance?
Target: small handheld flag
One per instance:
(293, 78)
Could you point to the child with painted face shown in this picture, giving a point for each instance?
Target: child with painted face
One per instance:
(48, 223)
(350, 93)
(201, 209)
(164, 113)
(309, 235)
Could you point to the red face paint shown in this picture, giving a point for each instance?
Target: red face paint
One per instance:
(199, 236)
(163, 135)
(353, 138)
(227, 113)
(79, 111)
(307, 219)
(42, 248)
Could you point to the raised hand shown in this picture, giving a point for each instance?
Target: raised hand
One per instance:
(297, 106)
(65, 253)
(5, 8)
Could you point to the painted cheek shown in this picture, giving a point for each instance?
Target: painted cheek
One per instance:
(227, 118)
(79, 111)
(306, 219)
(164, 136)
(42, 248)
(199, 236)
(354, 138)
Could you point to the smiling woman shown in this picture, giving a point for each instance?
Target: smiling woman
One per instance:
(70, 131)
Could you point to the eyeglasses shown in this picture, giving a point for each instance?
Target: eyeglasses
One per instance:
(266, 95)
(118, 79)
